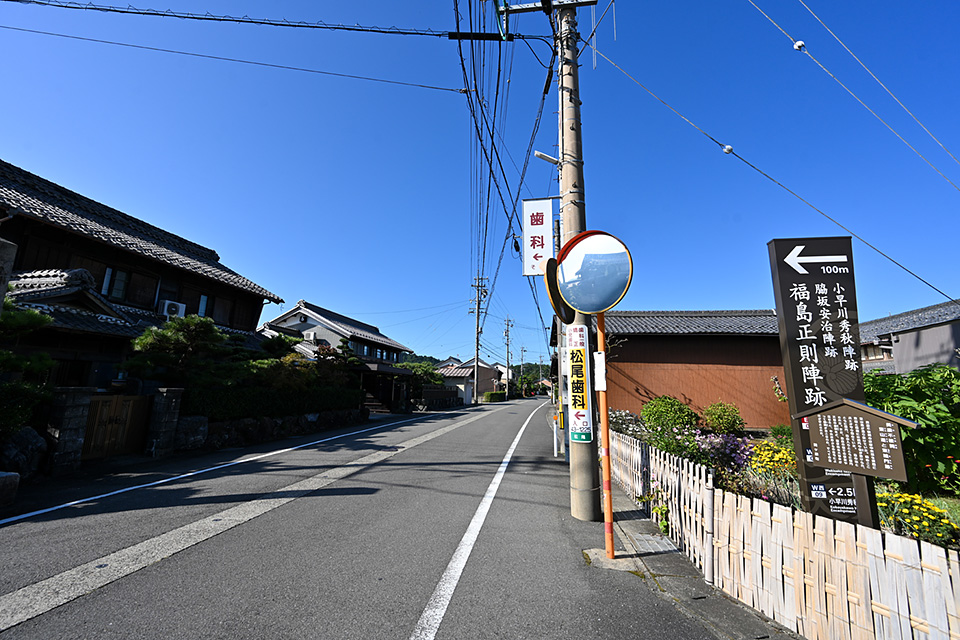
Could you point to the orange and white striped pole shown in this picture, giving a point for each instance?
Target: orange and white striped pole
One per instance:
(605, 447)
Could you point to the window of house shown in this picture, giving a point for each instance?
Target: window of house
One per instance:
(202, 307)
(222, 309)
(872, 352)
(142, 290)
(115, 284)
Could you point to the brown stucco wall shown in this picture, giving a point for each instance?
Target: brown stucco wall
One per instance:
(699, 370)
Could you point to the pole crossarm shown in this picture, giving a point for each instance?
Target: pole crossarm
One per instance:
(540, 6)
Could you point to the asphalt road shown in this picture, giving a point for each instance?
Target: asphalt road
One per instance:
(453, 525)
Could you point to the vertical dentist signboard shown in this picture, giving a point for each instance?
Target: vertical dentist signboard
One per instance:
(537, 235)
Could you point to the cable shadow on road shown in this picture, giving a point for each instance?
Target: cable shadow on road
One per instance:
(163, 486)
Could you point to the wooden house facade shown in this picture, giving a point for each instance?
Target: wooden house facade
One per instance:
(104, 276)
(698, 357)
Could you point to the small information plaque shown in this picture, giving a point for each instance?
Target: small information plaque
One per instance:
(852, 436)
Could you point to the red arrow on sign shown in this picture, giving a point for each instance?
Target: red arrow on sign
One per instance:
(537, 257)
(579, 415)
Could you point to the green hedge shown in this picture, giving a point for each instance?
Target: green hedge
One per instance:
(230, 403)
(494, 396)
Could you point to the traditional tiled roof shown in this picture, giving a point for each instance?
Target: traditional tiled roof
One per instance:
(755, 322)
(51, 292)
(456, 372)
(25, 194)
(907, 321)
(84, 321)
(351, 328)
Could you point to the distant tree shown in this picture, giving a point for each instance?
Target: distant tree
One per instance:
(412, 357)
(423, 374)
(528, 382)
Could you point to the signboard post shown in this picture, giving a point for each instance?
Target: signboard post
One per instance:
(816, 301)
(537, 234)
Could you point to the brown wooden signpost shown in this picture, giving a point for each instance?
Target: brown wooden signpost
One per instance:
(816, 299)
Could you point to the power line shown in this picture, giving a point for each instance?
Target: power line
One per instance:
(729, 150)
(207, 17)
(439, 306)
(890, 93)
(799, 45)
(226, 59)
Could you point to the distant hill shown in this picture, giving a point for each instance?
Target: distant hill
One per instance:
(412, 357)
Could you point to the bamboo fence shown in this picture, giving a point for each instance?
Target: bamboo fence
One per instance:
(821, 578)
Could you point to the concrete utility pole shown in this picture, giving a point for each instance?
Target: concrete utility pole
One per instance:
(584, 479)
(506, 334)
(584, 473)
(522, 351)
(480, 285)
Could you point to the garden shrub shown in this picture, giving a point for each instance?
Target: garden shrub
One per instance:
(20, 393)
(224, 381)
(494, 396)
(776, 486)
(666, 411)
(771, 456)
(625, 422)
(911, 515)
(929, 396)
(782, 435)
(721, 417)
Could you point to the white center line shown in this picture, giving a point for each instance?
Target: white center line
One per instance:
(436, 608)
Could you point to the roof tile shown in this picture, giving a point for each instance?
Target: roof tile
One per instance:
(23, 193)
(753, 322)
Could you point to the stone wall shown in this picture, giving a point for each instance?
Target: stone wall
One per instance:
(436, 404)
(66, 427)
(247, 431)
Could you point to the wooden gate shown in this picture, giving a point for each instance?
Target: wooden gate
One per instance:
(116, 425)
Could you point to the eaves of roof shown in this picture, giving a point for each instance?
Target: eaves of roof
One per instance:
(25, 194)
(347, 327)
(909, 321)
(81, 321)
(751, 322)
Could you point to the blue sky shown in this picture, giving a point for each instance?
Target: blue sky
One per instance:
(364, 197)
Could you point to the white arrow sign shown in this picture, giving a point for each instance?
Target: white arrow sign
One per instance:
(795, 261)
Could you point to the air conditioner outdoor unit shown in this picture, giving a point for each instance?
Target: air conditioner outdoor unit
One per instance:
(310, 336)
(170, 308)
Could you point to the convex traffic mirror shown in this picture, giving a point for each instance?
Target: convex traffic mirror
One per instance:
(594, 270)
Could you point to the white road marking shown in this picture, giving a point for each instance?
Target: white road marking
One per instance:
(38, 598)
(436, 608)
